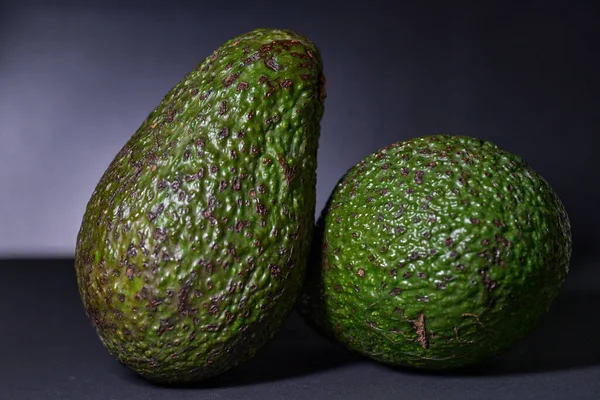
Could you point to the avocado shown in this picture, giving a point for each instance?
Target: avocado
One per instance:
(193, 246)
(436, 252)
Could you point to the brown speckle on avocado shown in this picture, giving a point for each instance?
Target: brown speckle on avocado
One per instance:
(261, 209)
(442, 284)
(265, 48)
(213, 310)
(131, 250)
(419, 177)
(286, 83)
(474, 221)
(270, 90)
(204, 95)
(288, 172)
(361, 272)
(253, 57)
(223, 107)
(487, 281)
(224, 133)
(163, 325)
(395, 291)
(229, 79)
(420, 326)
(297, 55)
(275, 270)
(229, 316)
(254, 150)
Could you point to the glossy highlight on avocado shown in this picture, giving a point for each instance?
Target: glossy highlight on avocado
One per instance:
(436, 252)
(193, 245)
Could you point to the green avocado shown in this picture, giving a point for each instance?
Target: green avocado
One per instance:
(193, 246)
(436, 252)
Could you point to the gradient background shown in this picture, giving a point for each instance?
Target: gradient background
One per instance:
(78, 78)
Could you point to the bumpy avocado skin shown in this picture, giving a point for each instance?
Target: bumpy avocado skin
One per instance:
(435, 253)
(193, 245)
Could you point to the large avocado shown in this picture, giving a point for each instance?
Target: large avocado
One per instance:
(193, 245)
(436, 252)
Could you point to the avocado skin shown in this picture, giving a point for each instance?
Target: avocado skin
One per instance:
(193, 246)
(436, 252)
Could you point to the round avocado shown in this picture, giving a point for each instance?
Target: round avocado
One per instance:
(436, 252)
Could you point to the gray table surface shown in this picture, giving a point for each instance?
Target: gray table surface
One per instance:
(49, 351)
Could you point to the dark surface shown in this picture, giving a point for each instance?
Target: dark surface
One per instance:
(50, 351)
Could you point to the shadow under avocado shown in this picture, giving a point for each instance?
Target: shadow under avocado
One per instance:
(566, 338)
(295, 351)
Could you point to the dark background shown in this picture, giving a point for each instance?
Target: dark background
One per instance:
(78, 78)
